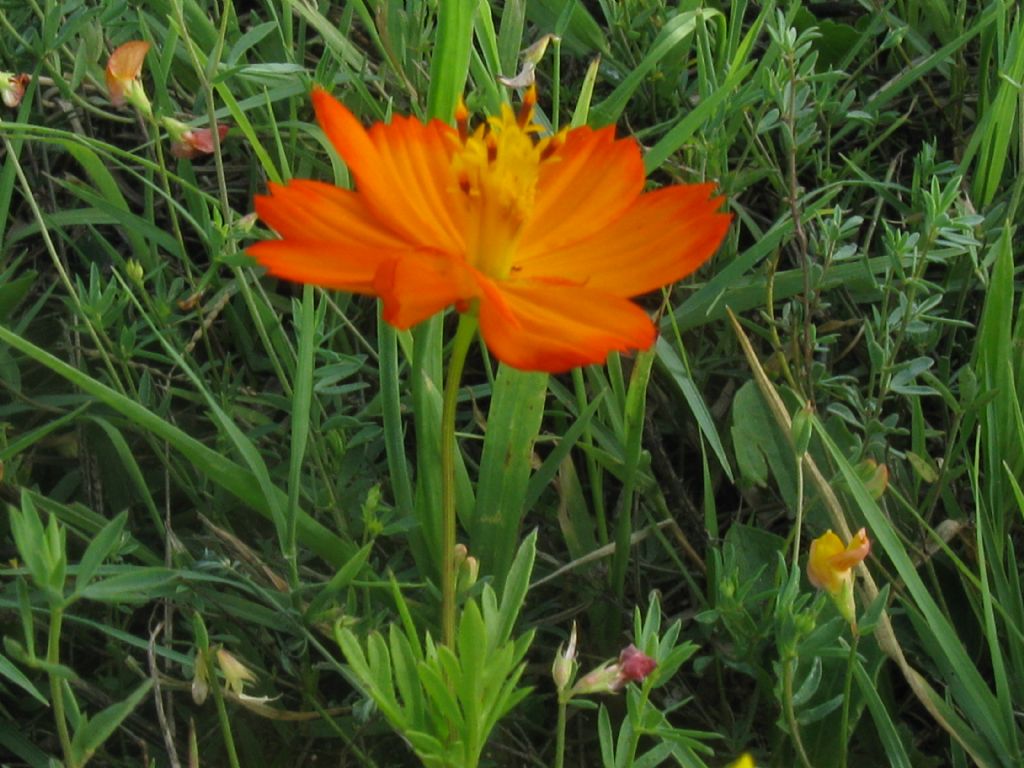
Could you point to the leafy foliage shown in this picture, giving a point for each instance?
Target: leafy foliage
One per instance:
(195, 457)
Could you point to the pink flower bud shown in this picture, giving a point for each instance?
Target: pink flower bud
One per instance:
(196, 141)
(12, 88)
(634, 665)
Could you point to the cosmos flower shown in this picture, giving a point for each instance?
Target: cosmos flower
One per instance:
(544, 238)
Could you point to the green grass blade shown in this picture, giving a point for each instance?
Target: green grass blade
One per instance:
(231, 476)
(449, 63)
(514, 419)
(674, 32)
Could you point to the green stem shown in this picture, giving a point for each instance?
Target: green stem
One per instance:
(798, 528)
(56, 692)
(222, 711)
(787, 697)
(463, 337)
(845, 721)
(636, 733)
(560, 733)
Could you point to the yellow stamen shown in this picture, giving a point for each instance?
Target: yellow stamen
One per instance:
(497, 167)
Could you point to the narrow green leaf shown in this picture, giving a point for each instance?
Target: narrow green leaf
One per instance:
(516, 585)
(895, 751)
(93, 733)
(513, 422)
(635, 407)
(672, 34)
(109, 190)
(668, 357)
(341, 579)
(98, 550)
(302, 397)
(135, 585)
(214, 465)
(449, 64)
(14, 675)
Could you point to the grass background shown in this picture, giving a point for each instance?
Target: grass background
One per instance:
(267, 444)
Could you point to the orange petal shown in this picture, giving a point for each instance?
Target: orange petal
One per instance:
(402, 170)
(123, 66)
(588, 182)
(322, 263)
(419, 285)
(854, 554)
(539, 327)
(664, 236)
(313, 211)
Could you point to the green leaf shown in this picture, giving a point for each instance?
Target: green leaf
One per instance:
(449, 64)
(110, 192)
(895, 751)
(91, 735)
(213, 464)
(98, 550)
(12, 673)
(302, 396)
(583, 35)
(14, 289)
(513, 422)
(406, 678)
(341, 579)
(27, 530)
(672, 34)
(516, 585)
(668, 357)
(135, 585)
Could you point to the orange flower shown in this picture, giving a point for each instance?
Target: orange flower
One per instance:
(193, 142)
(123, 70)
(545, 238)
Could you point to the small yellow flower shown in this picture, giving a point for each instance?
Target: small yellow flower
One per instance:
(236, 674)
(743, 761)
(830, 562)
(830, 565)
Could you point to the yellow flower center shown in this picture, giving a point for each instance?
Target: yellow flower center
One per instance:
(496, 168)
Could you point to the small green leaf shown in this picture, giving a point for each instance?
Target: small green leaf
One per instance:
(95, 731)
(341, 579)
(98, 550)
(12, 673)
(923, 467)
(134, 585)
(516, 586)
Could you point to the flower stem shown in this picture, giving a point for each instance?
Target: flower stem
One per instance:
(56, 689)
(787, 700)
(845, 719)
(463, 336)
(560, 733)
(222, 711)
